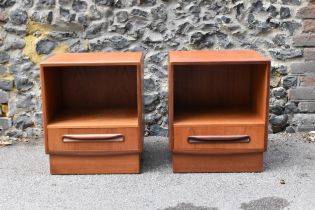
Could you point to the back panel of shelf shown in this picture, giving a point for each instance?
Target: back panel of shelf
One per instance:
(89, 89)
(219, 91)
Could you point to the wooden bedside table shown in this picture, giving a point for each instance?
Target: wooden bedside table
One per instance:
(92, 108)
(218, 110)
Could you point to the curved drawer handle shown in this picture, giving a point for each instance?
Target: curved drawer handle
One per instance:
(92, 137)
(219, 139)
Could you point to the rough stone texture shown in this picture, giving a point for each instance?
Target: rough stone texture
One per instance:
(2, 70)
(309, 25)
(94, 30)
(4, 97)
(31, 30)
(306, 12)
(13, 43)
(18, 16)
(24, 100)
(302, 93)
(27, 3)
(45, 46)
(279, 92)
(307, 80)
(45, 4)
(118, 42)
(4, 57)
(304, 122)
(307, 107)
(289, 81)
(290, 129)
(285, 12)
(290, 2)
(284, 54)
(6, 84)
(278, 122)
(7, 3)
(62, 36)
(304, 40)
(22, 121)
(5, 123)
(303, 68)
(290, 107)
(23, 83)
(309, 54)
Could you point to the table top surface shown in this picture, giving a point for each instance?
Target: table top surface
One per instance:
(175, 57)
(216, 56)
(97, 58)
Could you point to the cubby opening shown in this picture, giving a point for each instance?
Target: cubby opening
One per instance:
(220, 94)
(91, 95)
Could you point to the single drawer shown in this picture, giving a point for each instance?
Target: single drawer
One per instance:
(93, 141)
(219, 139)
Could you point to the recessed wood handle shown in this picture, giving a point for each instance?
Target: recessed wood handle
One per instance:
(219, 139)
(92, 137)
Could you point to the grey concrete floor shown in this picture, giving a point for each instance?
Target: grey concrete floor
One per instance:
(25, 182)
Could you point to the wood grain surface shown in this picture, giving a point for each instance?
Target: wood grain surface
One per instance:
(94, 59)
(246, 162)
(93, 94)
(95, 164)
(221, 93)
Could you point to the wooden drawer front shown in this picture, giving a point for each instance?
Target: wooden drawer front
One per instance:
(219, 139)
(93, 141)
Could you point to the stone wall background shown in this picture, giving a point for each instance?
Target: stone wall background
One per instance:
(31, 30)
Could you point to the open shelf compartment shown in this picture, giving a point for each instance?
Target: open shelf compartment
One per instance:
(218, 102)
(91, 96)
(227, 93)
(92, 112)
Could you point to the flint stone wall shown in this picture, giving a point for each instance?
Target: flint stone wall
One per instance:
(31, 30)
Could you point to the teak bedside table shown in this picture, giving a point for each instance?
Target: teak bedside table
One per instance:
(92, 108)
(218, 110)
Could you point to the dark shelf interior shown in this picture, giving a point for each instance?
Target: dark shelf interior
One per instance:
(91, 94)
(214, 94)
